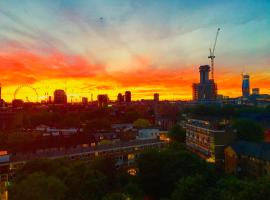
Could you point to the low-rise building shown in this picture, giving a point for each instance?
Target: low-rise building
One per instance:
(244, 158)
(124, 153)
(208, 139)
(46, 130)
(148, 133)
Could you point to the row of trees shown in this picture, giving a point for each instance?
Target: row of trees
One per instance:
(65, 118)
(225, 110)
(171, 173)
(17, 141)
(60, 179)
(158, 174)
(223, 188)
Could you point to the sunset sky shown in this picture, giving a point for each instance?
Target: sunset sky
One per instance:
(146, 46)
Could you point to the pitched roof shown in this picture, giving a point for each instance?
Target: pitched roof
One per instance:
(260, 150)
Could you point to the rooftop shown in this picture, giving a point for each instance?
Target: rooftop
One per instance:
(214, 125)
(260, 150)
(57, 153)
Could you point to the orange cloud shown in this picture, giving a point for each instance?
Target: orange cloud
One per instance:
(26, 67)
(145, 78)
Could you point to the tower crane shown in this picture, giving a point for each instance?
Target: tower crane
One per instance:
(212, 54)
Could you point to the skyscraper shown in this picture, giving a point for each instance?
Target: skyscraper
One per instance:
(207, 89)
(127, 96)
(245, 85)
(103, 100)
(60, 97)
(84, 100)
(156, 96)
(120, 98)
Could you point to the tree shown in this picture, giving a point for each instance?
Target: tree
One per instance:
(107, 167)
(205, 110)
(38, 186)
(141, 123)
(46, 166)
(97, 124)
(133, 190)
(248, 130)
(159, 171)
(231, 188)
(258, 189)
(177, 133)
(130, 116)
(115, 196)
(228, 111)
(191, 187)
(85, 183)
(17, 122)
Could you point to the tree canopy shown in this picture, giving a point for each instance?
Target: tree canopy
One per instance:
(141, 123)
(248, 130)
(38, 186)
(177, 133)
(171, 173)
(159, 171)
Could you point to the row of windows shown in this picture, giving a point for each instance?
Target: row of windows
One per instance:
(198, 129)
(201, 149)
(200, 138)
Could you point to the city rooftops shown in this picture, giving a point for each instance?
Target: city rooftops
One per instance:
(60, 153)
(219, 125)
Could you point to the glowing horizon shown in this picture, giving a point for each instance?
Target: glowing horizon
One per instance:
(108, 47)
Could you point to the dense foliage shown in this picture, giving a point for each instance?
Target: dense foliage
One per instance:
(171, 173)
(248, 130)
(62, 179)
(141, 123)
(177, 133)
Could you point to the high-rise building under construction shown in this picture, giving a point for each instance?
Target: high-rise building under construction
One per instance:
(245, 85)
(206, 89)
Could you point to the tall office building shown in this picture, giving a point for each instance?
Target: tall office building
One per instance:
(156, 96)
(84, 100)
(120, 98)
(60, 97)
(127, 96)
(50, 99)
(245, 85)
(156, 104)
(206, 90)
(103, 100)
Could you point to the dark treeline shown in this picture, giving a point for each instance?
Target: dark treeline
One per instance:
(76, 116)
(228, 111)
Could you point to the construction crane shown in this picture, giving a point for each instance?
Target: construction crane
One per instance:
(212, 54)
